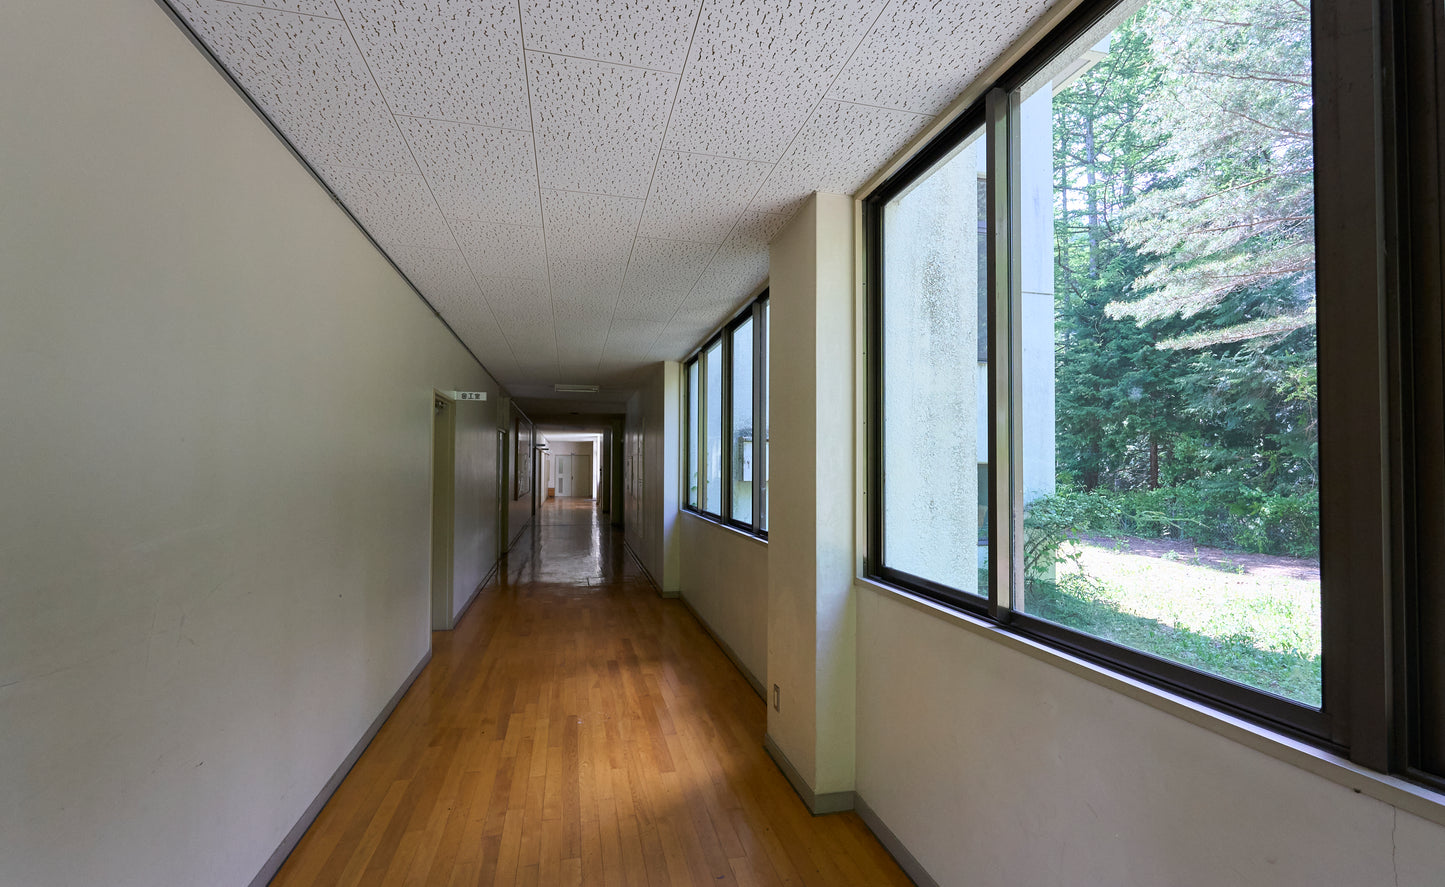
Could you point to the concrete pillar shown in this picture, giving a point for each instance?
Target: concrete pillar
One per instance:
(811, 654)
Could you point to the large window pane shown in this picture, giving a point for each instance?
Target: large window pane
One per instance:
(934, 377)
(1170, 430)
(712, 449)
(741, 434)
(692, 432)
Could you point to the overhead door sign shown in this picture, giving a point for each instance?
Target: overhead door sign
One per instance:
(469, 395)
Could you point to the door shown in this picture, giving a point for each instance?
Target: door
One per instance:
(564, 475)
(443, 493)
(582, 476)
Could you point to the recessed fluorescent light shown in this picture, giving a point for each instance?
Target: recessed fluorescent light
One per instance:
(575, 389)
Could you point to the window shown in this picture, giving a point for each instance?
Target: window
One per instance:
(934, 369)
(712, 363)
(1104, 362)
(740, 443)
(733, 455)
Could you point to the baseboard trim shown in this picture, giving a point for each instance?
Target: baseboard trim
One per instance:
(643, 567)
(906, 861)
(752, 679)
(293, 837)
(818, 805)
(471, 598)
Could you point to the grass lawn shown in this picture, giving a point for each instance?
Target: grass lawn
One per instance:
(1254, 624)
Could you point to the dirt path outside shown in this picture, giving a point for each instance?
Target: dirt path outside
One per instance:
(1264, 565)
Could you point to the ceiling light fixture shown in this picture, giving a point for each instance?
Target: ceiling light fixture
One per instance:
(575, 389)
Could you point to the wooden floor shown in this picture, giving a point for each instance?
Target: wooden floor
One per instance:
(576, 728)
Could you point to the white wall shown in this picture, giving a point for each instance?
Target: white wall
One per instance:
(214, 460)
(573, 448)
(650, 472)
(519, 508)
(810, 502)
(995, 768)
(475, 530)
(725, 580)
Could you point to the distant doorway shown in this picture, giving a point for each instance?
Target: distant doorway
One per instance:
(443, 496)
(564, 475)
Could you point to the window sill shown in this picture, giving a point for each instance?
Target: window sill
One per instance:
(1407, 796)
(723, 525)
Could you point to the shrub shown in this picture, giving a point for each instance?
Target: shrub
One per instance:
(1216, 515)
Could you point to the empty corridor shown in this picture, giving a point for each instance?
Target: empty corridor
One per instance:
(576, 728)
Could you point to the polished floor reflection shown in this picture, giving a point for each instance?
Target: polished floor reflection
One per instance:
(576, 728)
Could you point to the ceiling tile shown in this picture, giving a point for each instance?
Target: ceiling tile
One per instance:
(324, 8)
(740, 266)
(524, 311)
(502, 250)
(441, 274)
(396, 208)
(572, 213)
(756, 70)
(477, 172)
(630, 341)
(698, 197)
(307, 75)
(589, 237)
(647, 33)
(581, 333)
(598, 126)
(842, 145)
(451, 59)
(922, 53)
(659, 277)
(476, 327)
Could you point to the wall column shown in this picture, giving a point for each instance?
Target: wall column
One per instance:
(811, 653)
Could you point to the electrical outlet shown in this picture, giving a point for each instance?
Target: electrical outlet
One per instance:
(777, 698)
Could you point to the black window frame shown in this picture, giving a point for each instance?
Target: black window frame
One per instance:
(723, 337)
(1419, 623)
(1357, 188)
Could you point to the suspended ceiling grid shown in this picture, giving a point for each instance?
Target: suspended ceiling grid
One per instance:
(584, 187)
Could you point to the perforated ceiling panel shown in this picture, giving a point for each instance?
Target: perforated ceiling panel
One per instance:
(582, 186)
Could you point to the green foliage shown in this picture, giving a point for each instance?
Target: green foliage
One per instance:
(1204, 513)
(1234, 210)
(1186, 392)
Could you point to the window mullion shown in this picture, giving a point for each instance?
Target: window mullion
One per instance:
(1005, 371)
(759, 387)
(725, 439)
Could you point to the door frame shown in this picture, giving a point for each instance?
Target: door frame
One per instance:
(442, 563)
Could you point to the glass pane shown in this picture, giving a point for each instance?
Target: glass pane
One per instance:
(712, 449)
(767, 411)
(741, 439)
(1170, 424)
(692, 430)
(935, 374)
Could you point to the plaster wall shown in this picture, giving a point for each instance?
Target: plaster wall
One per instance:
(725, 580)
(650, 468)
(215, 458)
(1014, 771)
(810, 571)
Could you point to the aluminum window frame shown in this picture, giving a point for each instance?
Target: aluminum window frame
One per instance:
(723, 337)
(1356, 202)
